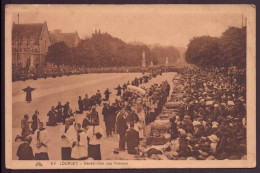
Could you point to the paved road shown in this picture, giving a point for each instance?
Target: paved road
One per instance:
(68, 88)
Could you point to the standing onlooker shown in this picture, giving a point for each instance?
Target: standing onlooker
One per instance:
(121, 129)
(35, 121)
(107, 118)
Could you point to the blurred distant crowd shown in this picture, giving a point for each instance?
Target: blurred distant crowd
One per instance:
(19, 73)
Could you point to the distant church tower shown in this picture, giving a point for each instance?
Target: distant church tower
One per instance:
(166, 61)
(143, 60)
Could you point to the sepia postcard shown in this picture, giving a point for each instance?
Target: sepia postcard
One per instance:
(130, 86)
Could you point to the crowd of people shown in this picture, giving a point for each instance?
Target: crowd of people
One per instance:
(207, 110)
(210, 121)
(81, 140)
(19, 73)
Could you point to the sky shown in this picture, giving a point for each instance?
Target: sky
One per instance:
(150, 24)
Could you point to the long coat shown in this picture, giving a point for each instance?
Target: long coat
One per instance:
(121, 125)
(106, 112)
(34, 122)
(28, 91)
(80, 103)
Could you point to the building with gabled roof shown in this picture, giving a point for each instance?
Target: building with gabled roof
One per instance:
(71, 39)
(30, 44)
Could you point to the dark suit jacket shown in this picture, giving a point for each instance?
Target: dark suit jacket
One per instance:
(121, 125)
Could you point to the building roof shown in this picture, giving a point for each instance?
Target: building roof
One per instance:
(27, 31)
(68, 38)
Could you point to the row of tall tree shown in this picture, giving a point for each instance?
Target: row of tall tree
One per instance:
(104, 50)
(224, 51)
(161, 52)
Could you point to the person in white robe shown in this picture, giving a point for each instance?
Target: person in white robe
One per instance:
(80, 144)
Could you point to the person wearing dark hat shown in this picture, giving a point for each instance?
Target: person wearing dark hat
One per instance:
(34, 125)
(132, 139)
(25, 151)
(41, 141)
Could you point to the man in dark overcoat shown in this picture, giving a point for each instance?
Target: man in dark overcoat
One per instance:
(107, 113)
(121, 129)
